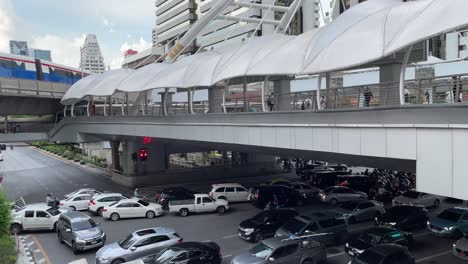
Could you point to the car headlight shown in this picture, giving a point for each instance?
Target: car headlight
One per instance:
(103, 235)
(454, 245)
(79, 240)
(104, 259)
(391, 224)
(347, 244)
(248, 231)
(428, 223)
(449, 228)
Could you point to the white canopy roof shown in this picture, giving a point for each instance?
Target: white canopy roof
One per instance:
(366, 33)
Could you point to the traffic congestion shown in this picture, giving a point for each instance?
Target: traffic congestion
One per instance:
(374, 216)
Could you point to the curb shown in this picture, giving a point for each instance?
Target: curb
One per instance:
(26, 250)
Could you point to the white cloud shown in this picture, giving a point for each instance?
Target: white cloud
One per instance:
(138, 45)
(64, 50)
(7, 25)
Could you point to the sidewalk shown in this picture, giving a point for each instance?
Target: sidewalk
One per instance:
(24, 253)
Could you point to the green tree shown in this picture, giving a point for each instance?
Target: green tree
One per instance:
(7, 244)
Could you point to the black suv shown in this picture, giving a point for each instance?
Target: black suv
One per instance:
(404, 217)
(385, 254)
(188, 253)
(265, 224)
(261, 195)
(173, 193)
(377, 236)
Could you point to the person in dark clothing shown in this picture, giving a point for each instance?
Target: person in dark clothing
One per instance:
(367, 96)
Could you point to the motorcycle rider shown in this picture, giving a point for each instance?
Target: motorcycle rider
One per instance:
(49, 200)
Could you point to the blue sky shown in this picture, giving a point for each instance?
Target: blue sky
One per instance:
(60, 25)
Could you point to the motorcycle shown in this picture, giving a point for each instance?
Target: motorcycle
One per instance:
(11, 146)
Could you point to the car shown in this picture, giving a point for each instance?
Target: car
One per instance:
(360, 210)
(357, 182)
(3, 146)
(307, 191)
(131, 208)
(34, 217)
(377, 236)
(1, 157)
(138, 244)
(201, 203)
(262, 194)
(80, 232)
(279, 182)
(329, 223)
(90, 191)
(264, 224)
(231, 192)
(403, 217)
(173, 193)
(284, 250)
(77, 202)
(460, 247)
(452, 222)
(385, 254)
(338, 194)
(186, 253)
(417, 198)
(99, 201)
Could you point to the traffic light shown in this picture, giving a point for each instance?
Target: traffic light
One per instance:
(143, 154)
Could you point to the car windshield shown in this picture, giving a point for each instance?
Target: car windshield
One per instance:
(294, 226)
(261, 251)
(53, 211)
(143, 202)
(166, 255)
(370, 238)
(450, 216)
(127, 242)
(369, 257)
(83, 225)
(411, 194)
(261, 217)
(349, 205)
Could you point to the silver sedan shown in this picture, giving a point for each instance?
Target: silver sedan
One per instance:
(337, 194)
(361, 210)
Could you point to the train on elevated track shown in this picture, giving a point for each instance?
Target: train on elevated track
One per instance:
(23, 67)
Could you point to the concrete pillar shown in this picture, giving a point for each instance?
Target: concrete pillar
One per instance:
(115, 155)
(282, 88)
(215, 99)
(166, 101)
(6, 124)
(244, 95)
(158, 159)
(389, 94)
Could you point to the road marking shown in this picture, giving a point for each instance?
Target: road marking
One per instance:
(39, 246)
(227, 256)
(206, 241)
(335, 255)
(235, 235)
(434, 256)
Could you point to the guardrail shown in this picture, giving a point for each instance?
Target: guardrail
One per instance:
(21, 87)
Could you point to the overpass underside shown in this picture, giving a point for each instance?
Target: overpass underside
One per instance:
(428, 140)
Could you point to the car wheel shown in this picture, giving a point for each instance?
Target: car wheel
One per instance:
(73, 208)
(74, 248)
(352, 220)
(115, 216)
(118, 261)
(183, 212)
(60, 237)
(333, 202)
(150, 214)
(16, 229)
(258, 237)
(99, 211)
(221, 210)
(436, 203)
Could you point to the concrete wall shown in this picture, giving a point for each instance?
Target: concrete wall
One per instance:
(436, 137)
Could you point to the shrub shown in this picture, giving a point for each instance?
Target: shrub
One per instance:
(7, 245)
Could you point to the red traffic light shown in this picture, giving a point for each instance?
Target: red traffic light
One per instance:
(143, 154)
(147, 140)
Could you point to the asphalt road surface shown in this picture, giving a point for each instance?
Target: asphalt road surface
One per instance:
(31, 175)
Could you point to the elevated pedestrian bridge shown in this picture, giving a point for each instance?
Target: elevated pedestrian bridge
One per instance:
(427, 139)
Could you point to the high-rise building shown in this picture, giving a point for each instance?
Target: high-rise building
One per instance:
(91, 57)
(19, 47)
(40, 54)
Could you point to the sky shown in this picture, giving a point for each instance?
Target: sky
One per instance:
(61, 26)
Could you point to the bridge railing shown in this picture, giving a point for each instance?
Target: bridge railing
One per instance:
(21, 87)
(444, 89)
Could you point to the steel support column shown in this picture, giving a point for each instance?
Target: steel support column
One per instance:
(403, 74)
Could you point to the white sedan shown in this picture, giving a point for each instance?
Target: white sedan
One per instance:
(89, 191)
(131, 208)
(77, 202)
(1, 157)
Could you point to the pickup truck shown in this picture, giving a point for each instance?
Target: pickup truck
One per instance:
(200, 204)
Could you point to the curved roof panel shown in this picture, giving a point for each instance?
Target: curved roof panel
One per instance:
(141, 77)
(77, 90)
(106, 84)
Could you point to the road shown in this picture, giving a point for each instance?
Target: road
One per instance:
(31, 174)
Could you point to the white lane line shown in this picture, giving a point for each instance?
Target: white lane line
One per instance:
(434, 256)
(235, 235)
(206, 241)
(227, 256)
(335, 255)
